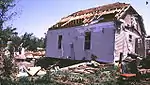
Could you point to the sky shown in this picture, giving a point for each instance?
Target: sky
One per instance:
(36, 16)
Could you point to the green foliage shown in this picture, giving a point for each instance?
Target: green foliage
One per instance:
(7, 66)
(31, 42)
(7, 81)
(6, 13)
(7, 35)
(8, 69)
(16, 41)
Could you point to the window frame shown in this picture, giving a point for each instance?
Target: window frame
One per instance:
(60, 41)
(87, 41)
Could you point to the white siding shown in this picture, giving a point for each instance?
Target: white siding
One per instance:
(102, 42)
(123, 45)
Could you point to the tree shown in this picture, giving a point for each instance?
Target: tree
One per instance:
(5, 7)
(6, 34)
(5, 14)
(31, 42)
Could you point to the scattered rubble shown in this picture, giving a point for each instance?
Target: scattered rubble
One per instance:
(84, 68)
(31, 71)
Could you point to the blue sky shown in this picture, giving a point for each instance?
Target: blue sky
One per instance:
(38, 15)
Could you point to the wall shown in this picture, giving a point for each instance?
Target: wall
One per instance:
(102, 42)
(132, 20)
(127, 19)
(122, 43)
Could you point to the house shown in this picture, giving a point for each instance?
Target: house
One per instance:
(105, 32)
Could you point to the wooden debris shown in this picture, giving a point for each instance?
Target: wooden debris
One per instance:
(83, 68)
(82, 71)
(144, 71)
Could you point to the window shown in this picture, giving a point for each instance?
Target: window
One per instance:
(148, 44)
(87, 42)
(139, 43)
(130, 38)
(59, 41)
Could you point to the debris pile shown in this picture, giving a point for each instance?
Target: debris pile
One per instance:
(86, 73)
(84, 68)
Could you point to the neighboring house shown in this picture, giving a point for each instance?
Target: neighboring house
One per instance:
(104, 31)
(147, 40)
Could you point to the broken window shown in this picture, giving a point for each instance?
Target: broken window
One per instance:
(59, 41)
(87, 42)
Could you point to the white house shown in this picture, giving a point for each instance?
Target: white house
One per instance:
(104, 31)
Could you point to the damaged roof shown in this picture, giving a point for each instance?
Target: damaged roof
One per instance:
(99, 14)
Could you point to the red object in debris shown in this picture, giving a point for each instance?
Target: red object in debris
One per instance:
(128, 75)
